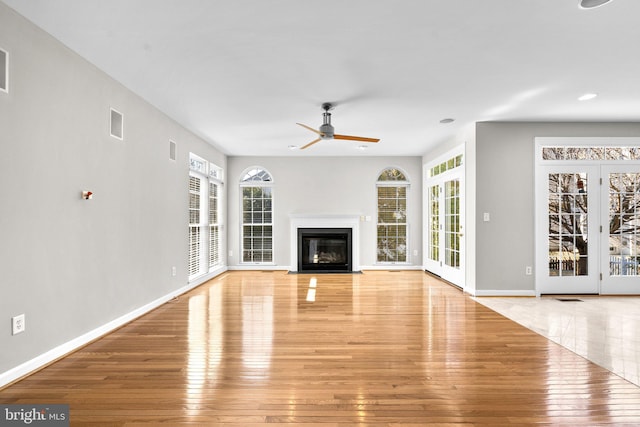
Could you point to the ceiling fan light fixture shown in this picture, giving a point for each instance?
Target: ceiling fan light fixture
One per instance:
(590, 4)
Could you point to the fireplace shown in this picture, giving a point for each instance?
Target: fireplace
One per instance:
(324, 250)
(324, 224)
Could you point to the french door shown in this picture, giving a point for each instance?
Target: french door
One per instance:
(588, 229)
(567, 230)
(620, 251)
(445, 237)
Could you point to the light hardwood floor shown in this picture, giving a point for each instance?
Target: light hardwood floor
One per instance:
(373, 349)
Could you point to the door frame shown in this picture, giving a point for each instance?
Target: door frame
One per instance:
(597, 167)
(453, 275)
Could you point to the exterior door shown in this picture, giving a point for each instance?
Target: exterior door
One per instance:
(445, 248)
(567, 224)
(620, 252)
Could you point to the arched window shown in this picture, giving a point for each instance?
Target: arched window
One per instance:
(392, 185)
(257, 215)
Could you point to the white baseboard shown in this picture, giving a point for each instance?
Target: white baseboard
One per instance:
(503, 293)
(386, 267)
(84, 339)
(201, 279)
(249, 267)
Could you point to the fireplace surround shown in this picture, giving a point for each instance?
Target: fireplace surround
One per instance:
(324, 228)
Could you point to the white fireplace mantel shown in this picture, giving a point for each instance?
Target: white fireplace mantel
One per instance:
(325, 221)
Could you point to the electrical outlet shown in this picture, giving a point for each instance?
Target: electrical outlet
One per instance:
(173, 271)
(17, 324)
(528, 270)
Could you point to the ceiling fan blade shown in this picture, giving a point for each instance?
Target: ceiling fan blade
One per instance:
(311, 143)
(356, 138)
(311, 129)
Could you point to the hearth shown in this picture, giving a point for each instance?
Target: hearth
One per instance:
(325, 250)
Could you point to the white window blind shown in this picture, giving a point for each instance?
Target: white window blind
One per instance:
(214, 224)
(205, 219)
(195, 237)
(392, 230)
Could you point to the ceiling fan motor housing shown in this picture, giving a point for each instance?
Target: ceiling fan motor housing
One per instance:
(326, 128)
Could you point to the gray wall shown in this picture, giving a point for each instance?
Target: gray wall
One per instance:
(325, 185)
(69, 264)
(505, 188)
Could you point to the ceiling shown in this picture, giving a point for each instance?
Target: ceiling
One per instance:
(241, 73)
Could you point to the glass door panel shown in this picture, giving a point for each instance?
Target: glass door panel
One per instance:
(434, 223)
(567, 219)
(620, 251)
(452, 228)
(568, 237)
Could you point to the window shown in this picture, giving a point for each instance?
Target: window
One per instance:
(392, 239)
(204, 216)
(257, 216)
(214, 209)
(449, 164)
(595, 153)
(195, 208)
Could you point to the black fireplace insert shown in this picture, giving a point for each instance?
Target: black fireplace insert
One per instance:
(324, 250)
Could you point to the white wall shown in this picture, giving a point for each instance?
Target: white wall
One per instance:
(71, 265)
(325, 185)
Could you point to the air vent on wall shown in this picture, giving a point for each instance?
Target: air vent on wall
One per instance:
(4, 71)
(172, 150)
(117, 124)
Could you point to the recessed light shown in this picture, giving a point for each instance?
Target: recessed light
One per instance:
(587, 96)
(362, 147)
(590, 4)
(449, 120)
(292, 147)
